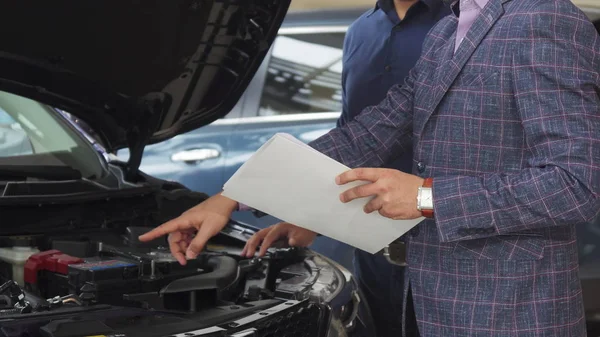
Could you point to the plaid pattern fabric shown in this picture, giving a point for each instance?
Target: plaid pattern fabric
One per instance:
(509, 128)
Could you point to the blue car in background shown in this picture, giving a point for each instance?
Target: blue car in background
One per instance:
(297, 90)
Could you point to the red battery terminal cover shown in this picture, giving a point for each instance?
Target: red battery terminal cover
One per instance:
(51, 260)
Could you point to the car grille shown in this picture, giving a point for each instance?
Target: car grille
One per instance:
(303, 320)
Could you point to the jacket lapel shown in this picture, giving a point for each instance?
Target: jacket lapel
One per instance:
(452, 63)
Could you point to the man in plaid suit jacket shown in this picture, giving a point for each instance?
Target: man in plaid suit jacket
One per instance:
(508, 127)
(507, 124)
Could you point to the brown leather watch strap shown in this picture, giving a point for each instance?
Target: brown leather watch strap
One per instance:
(428, 182)
(428, 213)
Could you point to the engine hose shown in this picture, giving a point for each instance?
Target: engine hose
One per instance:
(224, 272)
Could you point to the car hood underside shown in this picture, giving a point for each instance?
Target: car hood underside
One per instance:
(136, 71)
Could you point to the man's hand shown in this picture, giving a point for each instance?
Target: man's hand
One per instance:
(297, 237)
(394, 192)
(205, 220)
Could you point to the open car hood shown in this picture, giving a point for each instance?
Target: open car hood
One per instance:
(137, 71)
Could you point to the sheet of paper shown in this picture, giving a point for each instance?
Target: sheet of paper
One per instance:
(293, 182)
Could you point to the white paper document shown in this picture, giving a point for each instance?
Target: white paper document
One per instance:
(295, 183)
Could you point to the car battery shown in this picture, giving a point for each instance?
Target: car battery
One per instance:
(104, 281)
(122, 277)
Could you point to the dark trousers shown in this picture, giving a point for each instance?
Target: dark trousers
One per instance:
(382, 285)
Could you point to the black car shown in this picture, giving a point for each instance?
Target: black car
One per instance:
(138, 72)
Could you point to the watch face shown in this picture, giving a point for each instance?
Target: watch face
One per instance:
(426, 198)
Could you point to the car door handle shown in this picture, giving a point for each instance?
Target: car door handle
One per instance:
(195, 155)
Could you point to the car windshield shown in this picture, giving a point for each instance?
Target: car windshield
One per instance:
(32, 133)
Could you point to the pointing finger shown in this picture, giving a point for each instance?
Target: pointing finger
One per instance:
(178, 224)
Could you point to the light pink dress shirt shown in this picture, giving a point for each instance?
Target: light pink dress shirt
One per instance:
(469, 10)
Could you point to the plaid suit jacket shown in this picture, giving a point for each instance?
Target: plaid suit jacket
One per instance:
(509, 128)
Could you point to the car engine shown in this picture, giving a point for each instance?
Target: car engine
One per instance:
(72, 269)
(84, 270)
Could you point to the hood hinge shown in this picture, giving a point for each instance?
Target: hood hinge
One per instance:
(150, 108)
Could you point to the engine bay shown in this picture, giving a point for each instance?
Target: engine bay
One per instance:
(80, 272)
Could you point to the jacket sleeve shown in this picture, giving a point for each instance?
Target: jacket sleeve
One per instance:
(377, 134)
(556, 87)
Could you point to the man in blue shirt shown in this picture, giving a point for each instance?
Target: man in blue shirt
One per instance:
(379, 50)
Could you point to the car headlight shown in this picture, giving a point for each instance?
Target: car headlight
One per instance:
(336, 288)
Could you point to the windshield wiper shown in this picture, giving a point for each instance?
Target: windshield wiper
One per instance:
(46, 172)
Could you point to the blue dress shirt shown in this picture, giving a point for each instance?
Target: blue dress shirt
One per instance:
(379, 51)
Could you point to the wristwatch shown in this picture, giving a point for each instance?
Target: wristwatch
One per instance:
(425, 198)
